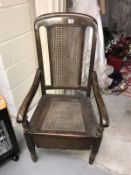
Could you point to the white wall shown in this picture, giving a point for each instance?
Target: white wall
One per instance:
(17, 51)
(17, 47)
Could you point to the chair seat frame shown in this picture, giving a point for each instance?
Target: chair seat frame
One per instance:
(55, 140)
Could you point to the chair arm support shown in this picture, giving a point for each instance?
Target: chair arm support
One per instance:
(21, 116)
(104, 120)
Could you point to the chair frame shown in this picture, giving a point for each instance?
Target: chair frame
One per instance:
(63, 141)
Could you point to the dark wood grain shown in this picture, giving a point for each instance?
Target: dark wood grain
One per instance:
(65, 50)
(104, 120)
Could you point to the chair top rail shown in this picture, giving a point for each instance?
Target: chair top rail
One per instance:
(51, 19)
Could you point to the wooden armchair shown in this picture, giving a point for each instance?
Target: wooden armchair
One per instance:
(64, 121)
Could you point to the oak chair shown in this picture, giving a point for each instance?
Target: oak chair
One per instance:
(64, 121)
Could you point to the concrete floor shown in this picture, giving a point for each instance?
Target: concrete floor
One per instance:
(50, 162)
(115, 152)
(114, 156)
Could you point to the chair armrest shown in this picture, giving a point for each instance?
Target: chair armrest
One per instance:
(21, 116)
(104, 120)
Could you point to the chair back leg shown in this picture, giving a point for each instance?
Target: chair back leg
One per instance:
(94, 149)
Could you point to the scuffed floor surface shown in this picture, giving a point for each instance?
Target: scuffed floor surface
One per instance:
(115, 150)
(50, 162)
(114, 157)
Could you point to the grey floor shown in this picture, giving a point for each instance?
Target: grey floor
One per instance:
(114, 156)
(115, 150)
(50, 162)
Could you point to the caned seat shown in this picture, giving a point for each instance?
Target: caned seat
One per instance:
(64, 114)
(64, 121)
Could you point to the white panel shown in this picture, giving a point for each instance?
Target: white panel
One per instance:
(45, 55)
(64, 6)
(50, 7)
(4, 79)
(1, 61)
(18, 73)
(7, 95)
(47, 6)
(56, 5)
(32, 10)
(7, 3)
(21, 48)
(14, 21)
(41, 7)
(4, 54)
(17, 49)
(61, 6)
(21, 91)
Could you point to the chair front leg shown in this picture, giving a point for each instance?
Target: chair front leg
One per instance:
(29, 141)
(31, 146)
(94, 149)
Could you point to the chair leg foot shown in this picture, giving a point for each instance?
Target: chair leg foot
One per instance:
(94, 150)
(92, 158)
(34, 157)
(31, 146)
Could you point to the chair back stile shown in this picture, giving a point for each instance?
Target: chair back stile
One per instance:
(64, 121)
(65, 33)
(91, 66)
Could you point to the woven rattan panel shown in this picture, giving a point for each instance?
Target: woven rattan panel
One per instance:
(65, 48)
(64, 116)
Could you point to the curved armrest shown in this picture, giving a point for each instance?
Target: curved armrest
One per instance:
(21, 116)
(104, 121)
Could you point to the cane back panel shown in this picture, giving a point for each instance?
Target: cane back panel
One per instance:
(65, 33)
(65, 49)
